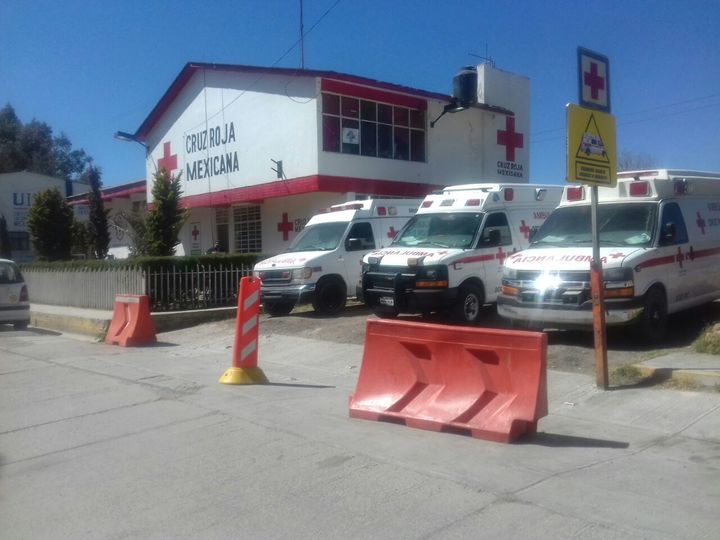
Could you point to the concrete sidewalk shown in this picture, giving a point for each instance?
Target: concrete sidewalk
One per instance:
(98, 441)
(686, 369)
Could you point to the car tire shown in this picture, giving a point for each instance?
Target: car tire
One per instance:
(653, 321)
(20, 325)
(278, 309)
(330, 296)
(469, 304)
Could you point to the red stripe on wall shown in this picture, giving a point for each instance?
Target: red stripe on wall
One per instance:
(307, 184)
(364, 92)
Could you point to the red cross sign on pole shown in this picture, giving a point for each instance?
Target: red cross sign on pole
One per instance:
(594, 80)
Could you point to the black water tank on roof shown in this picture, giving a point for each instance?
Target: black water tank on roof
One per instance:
(465, 86)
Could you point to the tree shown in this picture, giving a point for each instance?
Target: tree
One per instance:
(80, 234)
(99, 237)
(11, 158)
(5, 249)
(166, 217)
(631, 161)
(32, 147)
(156, 233)
(49, 221)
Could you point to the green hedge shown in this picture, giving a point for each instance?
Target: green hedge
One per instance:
(153, 263)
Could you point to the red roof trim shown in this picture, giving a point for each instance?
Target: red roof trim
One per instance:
(307, 184)
(190, 68)
(365, 92)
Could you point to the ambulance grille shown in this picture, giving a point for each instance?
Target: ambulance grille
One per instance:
(576, 276)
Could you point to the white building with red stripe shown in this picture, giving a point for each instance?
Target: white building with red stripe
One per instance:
(261, 150)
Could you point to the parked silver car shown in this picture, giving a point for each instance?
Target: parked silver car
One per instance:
(14, 299)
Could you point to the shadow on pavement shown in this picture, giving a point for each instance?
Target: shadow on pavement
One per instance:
(296, 385)
(30, 329)
(556, 440)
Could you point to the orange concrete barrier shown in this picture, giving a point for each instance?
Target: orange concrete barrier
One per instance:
(244, 368)
(487, 383)
(131, 322)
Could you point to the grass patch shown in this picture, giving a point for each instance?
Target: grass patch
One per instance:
(709, 340)
(626, 375)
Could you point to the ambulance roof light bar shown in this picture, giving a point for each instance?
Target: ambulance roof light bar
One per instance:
(575, 193)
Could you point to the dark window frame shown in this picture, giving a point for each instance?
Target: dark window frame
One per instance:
(406, 127)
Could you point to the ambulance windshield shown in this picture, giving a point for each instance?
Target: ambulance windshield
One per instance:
(619, 224)
(320, 237)
(440, 230)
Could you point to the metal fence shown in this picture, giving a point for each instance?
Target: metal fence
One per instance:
(196, 288)
(168, 289)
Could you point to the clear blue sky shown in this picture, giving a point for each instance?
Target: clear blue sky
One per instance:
(90, 68)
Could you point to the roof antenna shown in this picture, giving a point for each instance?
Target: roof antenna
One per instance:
(488, 59)
(302, 38)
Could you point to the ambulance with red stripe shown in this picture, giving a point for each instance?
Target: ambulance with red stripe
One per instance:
(322, 264)
(450, 255)
(659, 234)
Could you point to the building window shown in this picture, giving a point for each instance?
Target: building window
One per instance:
(222, 227)
(19, 241)
(139, 207)
(248, 231)
(368, 128)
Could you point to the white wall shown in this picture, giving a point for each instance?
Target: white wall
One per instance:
(260, 117)
(17, 191)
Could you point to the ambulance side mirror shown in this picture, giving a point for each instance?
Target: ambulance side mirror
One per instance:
(532, 233)
(669, 234)
(353, 244)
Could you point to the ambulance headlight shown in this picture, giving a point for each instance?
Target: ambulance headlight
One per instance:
(432, 277)
(302, 273)
(618, 283)
(618, 274)
(509, 273)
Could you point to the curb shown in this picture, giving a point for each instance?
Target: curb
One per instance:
(96, 327)
(680, 377)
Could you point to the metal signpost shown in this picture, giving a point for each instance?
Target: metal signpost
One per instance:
(591, 160)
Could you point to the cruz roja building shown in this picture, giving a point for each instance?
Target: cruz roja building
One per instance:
(261, 150)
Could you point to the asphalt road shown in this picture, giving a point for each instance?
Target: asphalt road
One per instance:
(568, 350)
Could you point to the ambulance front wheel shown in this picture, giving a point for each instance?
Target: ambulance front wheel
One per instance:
(277, 308)
(330, 296)
(469, 303)
(654, 318)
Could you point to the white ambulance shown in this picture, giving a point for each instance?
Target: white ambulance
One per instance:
(659, 237)
(323, 262)
(450, 255)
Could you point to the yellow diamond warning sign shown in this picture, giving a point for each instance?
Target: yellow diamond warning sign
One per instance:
(591, 155)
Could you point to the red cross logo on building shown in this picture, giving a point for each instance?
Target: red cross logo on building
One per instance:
(501, 255)
(594, 80)
(195, 233)
(700, 223)
(392, 232)
(680, 257)
(509, 138)
(285, 226)
(168, 162)
(525, 230)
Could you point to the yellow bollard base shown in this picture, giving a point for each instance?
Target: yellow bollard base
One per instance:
(243, 376)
